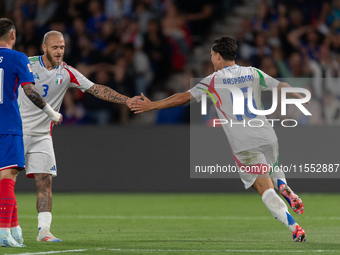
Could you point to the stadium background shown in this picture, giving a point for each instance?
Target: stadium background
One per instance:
(155, 47)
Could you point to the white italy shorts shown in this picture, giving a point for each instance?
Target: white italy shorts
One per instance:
(39, 155)
(256, 162)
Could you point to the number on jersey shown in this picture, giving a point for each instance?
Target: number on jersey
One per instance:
(1, 85)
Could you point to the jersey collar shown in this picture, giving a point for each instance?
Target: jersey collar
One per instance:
(226, 67)
(42, 63)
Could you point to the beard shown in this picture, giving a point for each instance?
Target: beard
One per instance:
(54, 63)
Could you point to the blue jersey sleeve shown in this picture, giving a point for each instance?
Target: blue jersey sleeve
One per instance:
(23, 70)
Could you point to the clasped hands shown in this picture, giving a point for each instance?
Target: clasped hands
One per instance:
(139, 104)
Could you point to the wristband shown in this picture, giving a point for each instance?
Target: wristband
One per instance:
(54, 116)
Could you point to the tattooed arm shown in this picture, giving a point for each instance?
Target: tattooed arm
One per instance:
(33, 94)
(105, 93)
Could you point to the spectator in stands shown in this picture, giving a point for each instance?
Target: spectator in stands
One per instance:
(139, 66)
(96, 18)
(295, 67)
(88, 53)
(143, 15)
(262, 19)
(260, 50)
(198, 15)
(45, 11)
(178, 37)
(98, 111)
(326, 73)
(78, 9)
(177, 115)
(245, 39)
(309, 46)
(117, 9)
(157, 50)
(331, 109)
(72, 110)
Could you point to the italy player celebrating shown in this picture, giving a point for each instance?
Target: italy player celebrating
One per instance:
(15, 70)
(52, 79)
(251, 146)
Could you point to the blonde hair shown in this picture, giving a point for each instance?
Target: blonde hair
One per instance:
(51, 33)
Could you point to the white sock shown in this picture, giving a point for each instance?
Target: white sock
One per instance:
(16, 228)
(44, 220)
(6, 230)
(278, 209)
(16, 231)
(278, 178)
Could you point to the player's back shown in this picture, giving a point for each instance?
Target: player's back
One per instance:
(243, 134)
(10, 121)
(243, 78)
(12, 73)
(247, 130)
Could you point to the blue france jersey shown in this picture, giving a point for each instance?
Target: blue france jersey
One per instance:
(15, 70)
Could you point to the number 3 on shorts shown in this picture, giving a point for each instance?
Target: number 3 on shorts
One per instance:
(46, 87)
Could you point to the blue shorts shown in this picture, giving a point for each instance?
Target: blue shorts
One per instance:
(12, 154)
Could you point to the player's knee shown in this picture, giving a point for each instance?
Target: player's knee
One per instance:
(262, 184)
(9, 174)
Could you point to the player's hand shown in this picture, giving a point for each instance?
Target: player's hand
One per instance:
(59, 121)
(140, 106)
(129, 101)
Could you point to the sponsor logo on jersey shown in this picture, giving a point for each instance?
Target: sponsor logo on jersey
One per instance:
(36, 76)
(53, 168)
(29, 68)
(48, 76)
(59, 78)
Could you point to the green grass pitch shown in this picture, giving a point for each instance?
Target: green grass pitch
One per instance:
(177, 224)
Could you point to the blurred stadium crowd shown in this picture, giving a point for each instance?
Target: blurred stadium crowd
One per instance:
(136, 46)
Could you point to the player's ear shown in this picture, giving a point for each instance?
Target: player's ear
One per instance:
(12, 35)
(218, 56)
(44, 47)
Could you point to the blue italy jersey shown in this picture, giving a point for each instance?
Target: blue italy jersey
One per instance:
(15, 70)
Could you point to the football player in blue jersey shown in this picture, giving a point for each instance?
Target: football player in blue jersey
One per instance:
(15, 70)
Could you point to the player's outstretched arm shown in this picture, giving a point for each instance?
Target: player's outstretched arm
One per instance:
(291, 95)
(105, 93)
(33, 94)
(146, 105)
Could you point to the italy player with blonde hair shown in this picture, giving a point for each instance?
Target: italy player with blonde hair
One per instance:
(52, 79)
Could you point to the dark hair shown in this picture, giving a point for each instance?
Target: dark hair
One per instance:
(226, 46)
(6, 25)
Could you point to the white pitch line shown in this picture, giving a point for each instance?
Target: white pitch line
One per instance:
(47, 252)
(142, 217)
(246, 251)
(173, 250)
